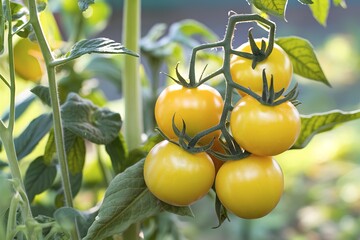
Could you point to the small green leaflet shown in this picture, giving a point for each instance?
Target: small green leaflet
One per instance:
(96, 45)
(274, 7)
(128, 200)
(321, 122)
(303, 58)
(320, 10)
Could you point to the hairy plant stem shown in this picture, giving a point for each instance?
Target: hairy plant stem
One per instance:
(133, 124)
(55, 103)
(6, 134)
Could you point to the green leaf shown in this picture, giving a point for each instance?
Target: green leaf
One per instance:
(28, 139)
(50, 148)
(39, 177)
(320, 10)
(68, 218)
(76, 156)
(43, 93)
(321, 122)
(273, 7)
(306, 1)
(84, 4)
(303, 58)
(105, 68)
(184, 31)
(21, 105)
(83, 118)
(117, 151)
(97, 45)
(127, 201)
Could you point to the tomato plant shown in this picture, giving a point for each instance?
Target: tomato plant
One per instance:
(277, 64)
(250, 187)
(178, 177)
(265, 130)
(121, 171)
(200, 108)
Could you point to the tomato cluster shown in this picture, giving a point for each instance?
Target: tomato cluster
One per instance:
(249, 186)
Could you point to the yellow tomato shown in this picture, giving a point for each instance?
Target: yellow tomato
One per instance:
(251, 187)
(176, 176)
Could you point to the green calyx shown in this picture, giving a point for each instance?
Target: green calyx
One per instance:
(271, 98)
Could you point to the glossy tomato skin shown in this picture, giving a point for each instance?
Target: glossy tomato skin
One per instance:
(277, 64)
(200, 108)
(264, 130)
(251, 187)
(176, 176)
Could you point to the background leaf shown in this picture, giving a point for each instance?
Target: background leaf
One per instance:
(321, 122)
(118, 153)
(274, 7)
(43, 93)
(84, 4)
(39, 177)
(83, 118)
(31, 136)
(320, 10)
(127, 200)
(303, 58)
(306, 1)
(22, 103)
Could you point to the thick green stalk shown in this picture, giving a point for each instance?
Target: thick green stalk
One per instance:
(133, 124)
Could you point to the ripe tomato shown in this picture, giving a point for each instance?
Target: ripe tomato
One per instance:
(29, 63)
(176, 176)
(250, 187)
(264, 130)
(200, 108)
(277, 64)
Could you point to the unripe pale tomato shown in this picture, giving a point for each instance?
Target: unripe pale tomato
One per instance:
(176, 176)
(200, 108)
(250, 187)
(28, 60)
(277, 64)
(264, 130)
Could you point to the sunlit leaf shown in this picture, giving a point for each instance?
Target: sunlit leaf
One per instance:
(340, 3)
(127, 200)
(76, 156)
(50, 148)
(320, 10)
(303, 58)
(97, 45)
(274, 7)
(321, 122)
(83, 118)
(35, 131)
(39, 177)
